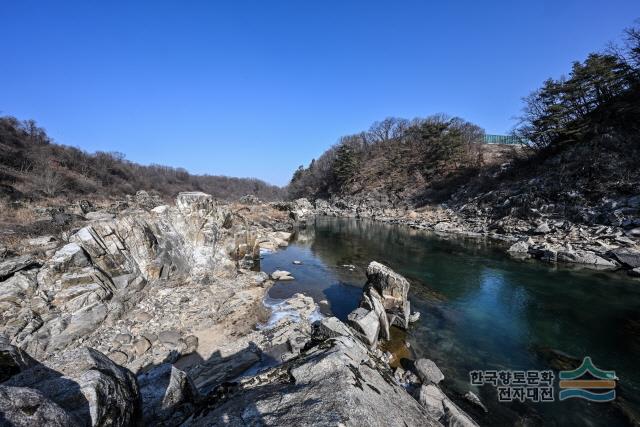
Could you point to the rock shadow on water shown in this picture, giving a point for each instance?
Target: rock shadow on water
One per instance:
(342, 298)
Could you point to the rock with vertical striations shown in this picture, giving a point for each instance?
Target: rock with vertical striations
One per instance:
(393, 290)
(168, 395)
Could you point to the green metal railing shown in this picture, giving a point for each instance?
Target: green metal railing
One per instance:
(503, 139)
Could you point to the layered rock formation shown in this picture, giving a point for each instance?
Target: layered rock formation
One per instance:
(384, 303)
(106, 268)
(149, 317)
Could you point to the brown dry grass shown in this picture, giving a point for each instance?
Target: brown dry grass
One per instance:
(18, 214)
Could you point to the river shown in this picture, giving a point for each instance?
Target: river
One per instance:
(481, 310)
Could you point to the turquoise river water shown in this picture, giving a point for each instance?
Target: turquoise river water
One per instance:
(481, 310)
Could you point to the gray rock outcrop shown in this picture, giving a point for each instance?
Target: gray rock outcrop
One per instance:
(81, 387)
(25, 407)
(338, 382)
(384, 303)
(102, 271)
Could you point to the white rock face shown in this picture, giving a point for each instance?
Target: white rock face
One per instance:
(101, 273)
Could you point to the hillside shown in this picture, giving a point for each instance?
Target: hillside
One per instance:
(581, 160)
(33, 167)
(411, 162)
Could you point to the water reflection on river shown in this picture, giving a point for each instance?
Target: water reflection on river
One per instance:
(481, 310)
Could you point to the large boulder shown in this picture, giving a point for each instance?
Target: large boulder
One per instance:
(393, 290)
(390, 285)
(428, 371)
(24, 407)
(630, 258)
(301, 209)
(199, 221)
(87, 385)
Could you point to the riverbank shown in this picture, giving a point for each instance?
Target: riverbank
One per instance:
(547, 238)
(480, 310)
(148, 314)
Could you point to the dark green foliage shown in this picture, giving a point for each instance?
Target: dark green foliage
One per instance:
(598, 96)
(345, 165)
(585, 133)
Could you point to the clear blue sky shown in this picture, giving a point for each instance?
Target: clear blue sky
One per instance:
(256, 88)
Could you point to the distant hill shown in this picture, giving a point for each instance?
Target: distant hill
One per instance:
(33, 167)
(581, 147)
(413, 161)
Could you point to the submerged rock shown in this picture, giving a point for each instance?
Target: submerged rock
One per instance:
(282, 275)
(474, 399)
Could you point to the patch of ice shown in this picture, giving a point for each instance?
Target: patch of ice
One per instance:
(281, 309)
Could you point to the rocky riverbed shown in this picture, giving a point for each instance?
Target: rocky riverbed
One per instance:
(153, 315)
